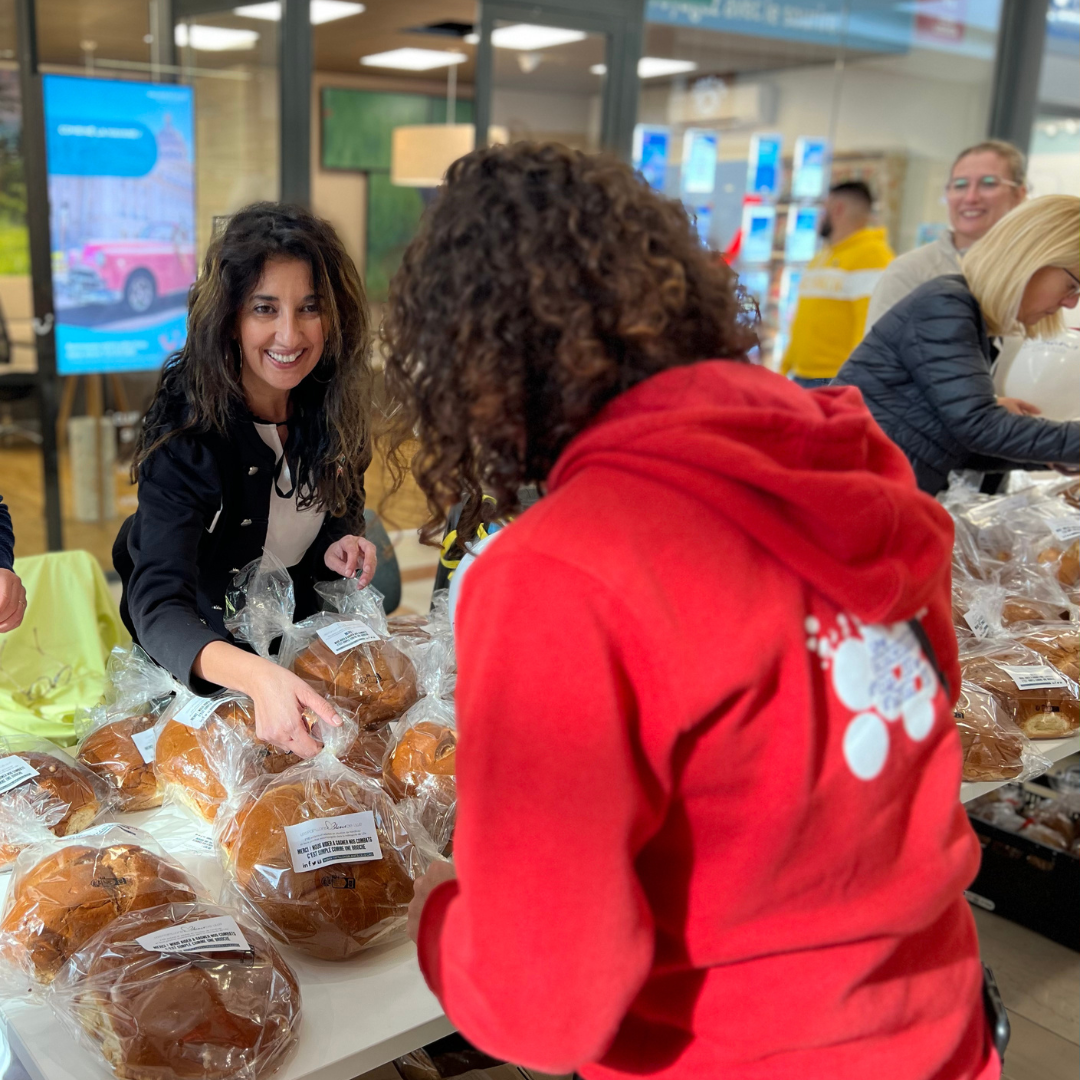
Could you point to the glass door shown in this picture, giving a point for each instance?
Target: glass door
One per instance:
(552, 74)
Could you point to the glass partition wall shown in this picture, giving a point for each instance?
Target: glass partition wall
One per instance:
(788, 102)
(154, 132)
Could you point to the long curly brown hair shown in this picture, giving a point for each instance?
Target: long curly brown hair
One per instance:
(200, 388)
(542, 283)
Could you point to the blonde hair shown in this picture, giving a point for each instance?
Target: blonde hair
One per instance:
(1011, 155)
(1041, 232)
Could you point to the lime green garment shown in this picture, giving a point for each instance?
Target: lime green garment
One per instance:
(54, 663)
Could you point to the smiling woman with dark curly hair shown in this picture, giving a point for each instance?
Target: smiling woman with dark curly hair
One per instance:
(707, 756)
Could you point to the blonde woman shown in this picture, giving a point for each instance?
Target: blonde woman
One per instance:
(924, 368)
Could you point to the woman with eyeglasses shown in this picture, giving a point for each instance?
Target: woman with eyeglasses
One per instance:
(925, 368)
(257, 439)
(985, 182)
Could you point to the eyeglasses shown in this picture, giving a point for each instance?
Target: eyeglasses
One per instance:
(986, 184)
(1075, 290)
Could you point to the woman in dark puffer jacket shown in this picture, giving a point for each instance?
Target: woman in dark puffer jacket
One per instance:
(924, 368)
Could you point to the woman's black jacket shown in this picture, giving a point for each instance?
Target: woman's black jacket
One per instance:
(924, 373)
(204, 503)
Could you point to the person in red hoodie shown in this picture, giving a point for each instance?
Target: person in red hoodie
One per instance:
(708, 817)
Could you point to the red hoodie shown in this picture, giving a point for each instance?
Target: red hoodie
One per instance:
(708, 819)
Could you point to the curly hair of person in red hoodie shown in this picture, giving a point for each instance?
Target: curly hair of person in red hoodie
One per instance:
(513, 319)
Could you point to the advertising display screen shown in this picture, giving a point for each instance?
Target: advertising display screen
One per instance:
(699, 161)
(703, 218)
(763, 173)
(758, 228)
(810, 168)
(800, 240)
(122, 220)
(652, 151)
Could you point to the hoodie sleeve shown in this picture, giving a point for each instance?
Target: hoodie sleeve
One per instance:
(538, 952)
(948, 365)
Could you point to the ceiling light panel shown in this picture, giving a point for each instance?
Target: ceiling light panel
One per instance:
(654, 67)
(322, 11)
(413, 59)
(213, 38)
(526, 37)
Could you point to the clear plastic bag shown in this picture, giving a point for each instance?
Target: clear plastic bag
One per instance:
(1038, 698)
(137, 682)
(206, 748)
(321, 857)
(1058, 643)
(1030, 528)
(345, 596)
(65, 891)
(428, 641)
(419, 766)
(117, 739)
(156, 1013)
(977, 608)
(994, 747)
(44, 787)
(345, 657)
(362, 675)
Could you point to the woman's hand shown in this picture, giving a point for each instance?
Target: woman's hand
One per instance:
(345, 555)
(12, 601)
(280, 697)
(1019, 407)
(437, 873)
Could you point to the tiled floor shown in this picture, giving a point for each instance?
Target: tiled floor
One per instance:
(1040, 985)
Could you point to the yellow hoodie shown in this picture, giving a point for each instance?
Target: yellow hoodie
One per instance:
(834, 295)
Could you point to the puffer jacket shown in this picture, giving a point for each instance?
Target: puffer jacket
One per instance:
(924, 373)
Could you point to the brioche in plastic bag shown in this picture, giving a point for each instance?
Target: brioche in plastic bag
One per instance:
(344, 657)
(40, 785)
(1039, 699)
(183, 991)
(65, 891)
(206, 749)
(320, 857)
(419, 766)
(994, 747)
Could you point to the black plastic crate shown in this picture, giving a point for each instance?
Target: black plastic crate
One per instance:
(1029, 883)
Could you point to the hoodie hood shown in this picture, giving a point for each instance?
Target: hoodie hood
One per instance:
(809, 476)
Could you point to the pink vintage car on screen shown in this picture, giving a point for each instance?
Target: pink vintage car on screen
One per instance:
(136, 272)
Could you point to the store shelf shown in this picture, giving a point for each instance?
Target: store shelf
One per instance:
(1054, 749)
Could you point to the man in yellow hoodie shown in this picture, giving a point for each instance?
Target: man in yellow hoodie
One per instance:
(834, 293)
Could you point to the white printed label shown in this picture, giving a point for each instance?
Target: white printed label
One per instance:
(204, 842)
(1066, 529)
(14, 771)
(196, 712)
(1035, 676)
(146, 743)
(322, 841)
(979, 623)
(343, 636)
(220, 934)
